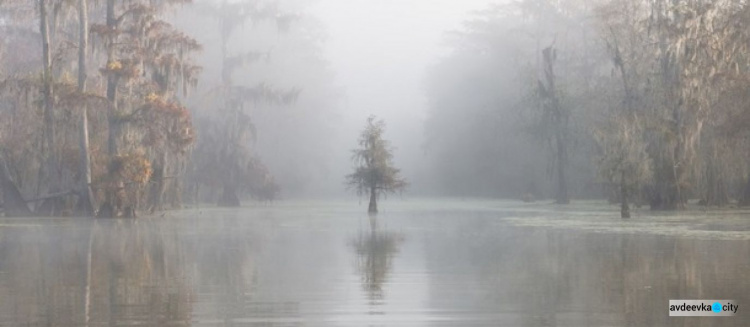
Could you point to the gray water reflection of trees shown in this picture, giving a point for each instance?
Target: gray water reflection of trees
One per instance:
(99, 273)
(375, 250)
(225, 268)
(122, 272)
(541, 277)
(137, 275)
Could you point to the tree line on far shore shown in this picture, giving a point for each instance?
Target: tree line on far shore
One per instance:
(645, 101)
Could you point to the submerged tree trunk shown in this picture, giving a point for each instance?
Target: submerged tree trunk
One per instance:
(373, 207)
(624, 206)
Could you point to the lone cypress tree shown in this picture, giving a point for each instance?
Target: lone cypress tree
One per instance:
(374, 172)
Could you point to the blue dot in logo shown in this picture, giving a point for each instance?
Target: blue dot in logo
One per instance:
(716, 307)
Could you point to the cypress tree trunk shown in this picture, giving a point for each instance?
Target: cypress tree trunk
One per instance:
(110, 207)
(47, 77)
(112, 83)
(716, 187)
(156, 196)
(86, 204)
(675, 194)
(373, 207)
(560, 120)
(745, 200)
(87, 201)
(562, 182)
(83, 41)
(624, 206)
(49, 173)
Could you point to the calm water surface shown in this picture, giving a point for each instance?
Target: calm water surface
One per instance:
(327, 264)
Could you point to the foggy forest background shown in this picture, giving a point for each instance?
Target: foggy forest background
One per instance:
(125, 106)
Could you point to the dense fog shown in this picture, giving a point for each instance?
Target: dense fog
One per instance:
(374, 162)
(188, 102)
(365, 58)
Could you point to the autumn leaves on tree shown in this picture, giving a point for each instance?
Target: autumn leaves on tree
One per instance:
(121, 113)
(101, 126)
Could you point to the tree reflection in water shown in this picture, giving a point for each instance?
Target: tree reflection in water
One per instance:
(549, 277)
(375, 252)
(281, 270)
(115, 272)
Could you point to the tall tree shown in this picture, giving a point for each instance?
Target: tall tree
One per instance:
(50, 168)
(148, 63)
(623, 162)
(557, 117)
(374, 173)
(226, 152)
(87, 205)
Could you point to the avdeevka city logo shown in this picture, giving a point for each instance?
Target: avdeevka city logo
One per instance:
(716, 308)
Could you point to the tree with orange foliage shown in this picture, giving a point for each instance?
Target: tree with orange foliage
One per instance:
(148, 64)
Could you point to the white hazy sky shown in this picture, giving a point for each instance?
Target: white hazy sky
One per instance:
(380, 50)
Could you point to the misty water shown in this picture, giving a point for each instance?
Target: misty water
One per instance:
(420, 263)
